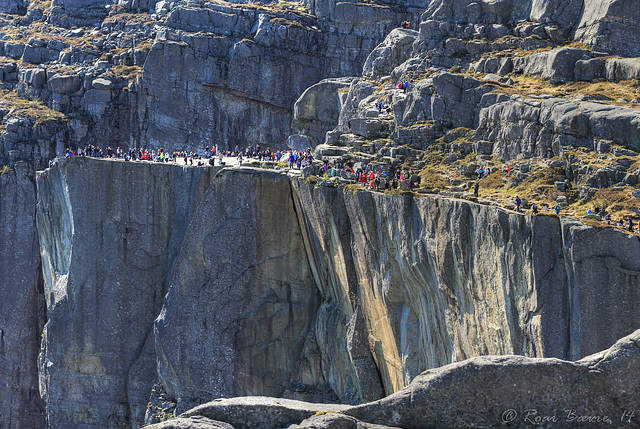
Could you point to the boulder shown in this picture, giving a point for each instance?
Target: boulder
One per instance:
(318, 109)
(565, 13)
(65, 84)
(298, 142)
(484, 391)
(594, 389)
(622, 69)
(556, 65)
(393, 51)
(589, 70)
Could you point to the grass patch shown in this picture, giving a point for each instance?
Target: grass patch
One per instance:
(603, 90)
(10, 100)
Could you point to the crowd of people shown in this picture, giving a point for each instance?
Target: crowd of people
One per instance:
(210, 155)
(363, 175)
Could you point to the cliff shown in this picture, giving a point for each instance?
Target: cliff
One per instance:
(163, 287)
(262, 284)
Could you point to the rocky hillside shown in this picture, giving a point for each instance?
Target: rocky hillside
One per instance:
(174, 295)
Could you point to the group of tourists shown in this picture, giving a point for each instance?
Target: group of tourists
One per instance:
(210, 155)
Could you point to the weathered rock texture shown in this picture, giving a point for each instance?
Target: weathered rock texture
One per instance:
(242, 286)
(21, 310)
(511, 391)
(441, 280)
(25, 146)
(109, 234)
(611, 26)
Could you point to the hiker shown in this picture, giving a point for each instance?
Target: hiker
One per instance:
(630, 224)
(535, 209)
(400, 85)
(476, 188)
(405, 86)
(607, 218)
(507, 170)
(518, 203)
(557, 208)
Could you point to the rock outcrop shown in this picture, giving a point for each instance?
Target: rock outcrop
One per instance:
(610, 26)
(513, 391)
(166, 287)
(22, 312)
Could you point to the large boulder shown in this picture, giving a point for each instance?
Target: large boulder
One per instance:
(622, 69)
(493, 391)
(557, 65)
(393, 51)
(566, 13)
(318, 109)
(490, 391)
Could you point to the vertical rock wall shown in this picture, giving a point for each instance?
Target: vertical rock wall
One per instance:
(21, 306)
(109, 233)
(275, 287)
(241, 298)
(441, 280)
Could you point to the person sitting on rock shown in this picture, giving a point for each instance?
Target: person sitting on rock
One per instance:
(534, 208)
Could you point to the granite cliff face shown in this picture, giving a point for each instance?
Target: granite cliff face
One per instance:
(109, 234)
(275, 287)
(164, 287)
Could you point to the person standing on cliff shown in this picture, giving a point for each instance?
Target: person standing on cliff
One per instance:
(476, 188)
(630, 224)
(518, 203)
(557, 208)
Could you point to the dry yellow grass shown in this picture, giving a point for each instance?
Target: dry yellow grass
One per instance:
(28, 108)
(610, 92)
